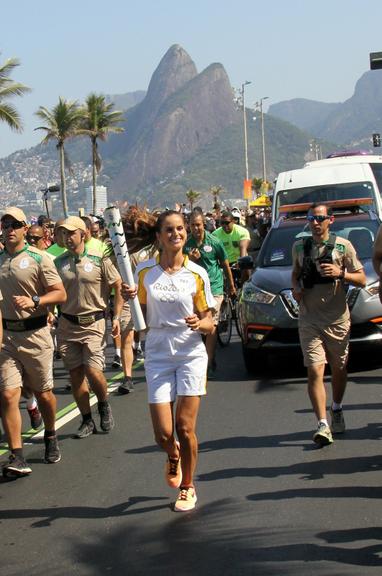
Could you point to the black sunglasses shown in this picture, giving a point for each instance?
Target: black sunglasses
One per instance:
(34, 238)
(226, 222)
(318, 218)
(14, 224)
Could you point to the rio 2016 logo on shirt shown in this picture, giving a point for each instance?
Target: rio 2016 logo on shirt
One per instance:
(166, 292)
(169, 298)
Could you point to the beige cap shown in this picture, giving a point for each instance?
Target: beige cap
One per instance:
(73, 223)
(16, 213)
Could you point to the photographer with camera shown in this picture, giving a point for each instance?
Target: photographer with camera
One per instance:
(322, 264)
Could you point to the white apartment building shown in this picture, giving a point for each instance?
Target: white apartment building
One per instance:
(101, 195)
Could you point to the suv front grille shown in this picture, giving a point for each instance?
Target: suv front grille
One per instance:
(284, 335)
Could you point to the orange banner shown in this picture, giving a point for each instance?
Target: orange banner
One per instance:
(247, 190)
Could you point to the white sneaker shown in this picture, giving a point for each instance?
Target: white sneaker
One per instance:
(323, 435)
(186, 500)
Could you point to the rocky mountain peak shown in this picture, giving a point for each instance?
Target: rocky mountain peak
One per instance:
(174, 71)
(198, 107)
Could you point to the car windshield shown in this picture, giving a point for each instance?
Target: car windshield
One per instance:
(321, 193)
(277, 247)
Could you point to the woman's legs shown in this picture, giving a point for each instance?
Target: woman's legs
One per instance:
(163, 424)
(186, 415)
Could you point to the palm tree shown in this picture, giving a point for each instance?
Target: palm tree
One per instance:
(215, 191)
(8, 89)
(192, 196)
(257, 183)
(99, 120)
(61, 123)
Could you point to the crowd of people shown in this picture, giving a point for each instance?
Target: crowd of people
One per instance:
(60, 284)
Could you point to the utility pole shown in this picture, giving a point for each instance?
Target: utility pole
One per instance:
(239, 100)
(245, 128)
(259, 105)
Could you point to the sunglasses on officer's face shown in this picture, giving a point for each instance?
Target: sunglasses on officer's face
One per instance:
(14, 224)
(318, 218)
(226, 222)
(34, 238)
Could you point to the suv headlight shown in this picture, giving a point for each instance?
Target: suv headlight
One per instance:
(373, 289)
(252, 293)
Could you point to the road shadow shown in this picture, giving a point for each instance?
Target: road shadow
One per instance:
(372, 431)
(368, 492)
(52, 514)
(250, 442)
(302, 440)
(364, 380)
(144, 449)
(347, 408)
(313, 470)
(204, 542)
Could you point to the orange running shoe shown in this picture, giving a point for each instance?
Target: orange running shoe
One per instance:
(173, 471)
(186, 500)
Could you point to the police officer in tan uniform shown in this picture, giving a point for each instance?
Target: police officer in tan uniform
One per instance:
(29, 283)
(324, 319)
(88, 277)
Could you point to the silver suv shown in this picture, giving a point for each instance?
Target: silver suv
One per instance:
(267, 310)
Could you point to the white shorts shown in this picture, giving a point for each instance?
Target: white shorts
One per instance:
(175, 365)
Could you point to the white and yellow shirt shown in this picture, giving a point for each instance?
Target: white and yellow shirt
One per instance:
(169, 298)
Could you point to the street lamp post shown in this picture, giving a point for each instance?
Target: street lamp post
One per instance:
(259, 105)
(239, 99)
(245, 128)
(45, 191)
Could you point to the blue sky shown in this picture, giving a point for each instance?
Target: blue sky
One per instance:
(286, 48)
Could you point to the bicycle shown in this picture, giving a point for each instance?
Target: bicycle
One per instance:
(224, 327)
(229, 310)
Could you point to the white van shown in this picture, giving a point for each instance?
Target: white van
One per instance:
(342, 176)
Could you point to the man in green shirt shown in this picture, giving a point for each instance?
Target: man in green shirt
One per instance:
(209, 253)
(58, 247)
(235, 238)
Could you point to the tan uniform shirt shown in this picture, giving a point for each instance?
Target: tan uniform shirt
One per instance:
(325, 304)
(87, 280)
(25, 273)
(378, 244)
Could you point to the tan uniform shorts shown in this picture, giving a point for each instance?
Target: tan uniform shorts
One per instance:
(26, 359)
(325, 344)
(127, 323)
(216, 310)
(82, 345)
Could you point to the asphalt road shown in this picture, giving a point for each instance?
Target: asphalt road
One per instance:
(269, 501)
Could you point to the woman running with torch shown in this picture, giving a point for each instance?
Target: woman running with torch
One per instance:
(176, 299)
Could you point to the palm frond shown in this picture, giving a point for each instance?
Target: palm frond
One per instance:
(10, 116)
(9, 89)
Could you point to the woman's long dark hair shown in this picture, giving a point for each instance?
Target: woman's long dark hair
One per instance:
(141, 227)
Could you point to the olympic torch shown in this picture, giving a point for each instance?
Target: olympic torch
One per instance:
(114, 223)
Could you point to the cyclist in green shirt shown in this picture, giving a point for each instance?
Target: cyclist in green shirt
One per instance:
(235, 238)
